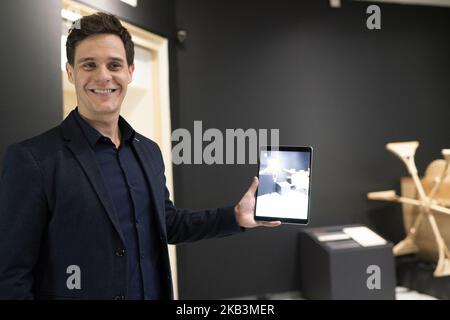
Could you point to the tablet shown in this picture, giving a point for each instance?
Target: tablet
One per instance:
(284, 190)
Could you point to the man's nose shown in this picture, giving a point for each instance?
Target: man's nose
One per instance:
(103, 74)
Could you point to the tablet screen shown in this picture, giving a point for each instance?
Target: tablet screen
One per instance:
(284, 190)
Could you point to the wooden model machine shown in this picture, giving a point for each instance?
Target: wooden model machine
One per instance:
(429, 202)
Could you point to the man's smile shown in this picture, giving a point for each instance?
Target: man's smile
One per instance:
(103, 92)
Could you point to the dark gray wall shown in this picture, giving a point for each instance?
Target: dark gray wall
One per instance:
(31, 83)
(321, 77)
(156, 16)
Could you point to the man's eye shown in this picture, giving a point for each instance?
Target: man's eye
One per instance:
(115, 66)
(88, 65)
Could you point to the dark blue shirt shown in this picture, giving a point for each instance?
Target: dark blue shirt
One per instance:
(130, 194)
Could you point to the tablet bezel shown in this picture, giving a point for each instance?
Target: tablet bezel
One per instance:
(307, 149)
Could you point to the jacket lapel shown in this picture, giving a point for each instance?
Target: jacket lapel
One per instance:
(77, 143)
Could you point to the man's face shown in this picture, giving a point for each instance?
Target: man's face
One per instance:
(100, 74)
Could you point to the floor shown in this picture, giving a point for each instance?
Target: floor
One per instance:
(401, 293)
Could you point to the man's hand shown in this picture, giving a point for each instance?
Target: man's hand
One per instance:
(244, 210)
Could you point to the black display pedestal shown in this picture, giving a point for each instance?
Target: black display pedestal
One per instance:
(341, 269)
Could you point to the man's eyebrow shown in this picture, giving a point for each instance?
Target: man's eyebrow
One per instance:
(117, 59)
(92, 59)
(85, 59)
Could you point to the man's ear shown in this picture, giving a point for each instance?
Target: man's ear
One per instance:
(131, 71)
(69, 70)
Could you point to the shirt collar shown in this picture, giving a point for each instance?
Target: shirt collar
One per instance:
(93, 135)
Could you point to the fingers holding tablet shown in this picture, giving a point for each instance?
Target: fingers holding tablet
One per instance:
(244, 210)
(269, 223)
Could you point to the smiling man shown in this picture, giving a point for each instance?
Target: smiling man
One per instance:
(84, 211)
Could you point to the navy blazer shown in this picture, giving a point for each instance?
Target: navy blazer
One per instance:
(55, 213)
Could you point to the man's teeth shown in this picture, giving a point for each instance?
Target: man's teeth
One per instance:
(103, 90)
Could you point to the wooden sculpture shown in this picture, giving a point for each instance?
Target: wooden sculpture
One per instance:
(427, 203)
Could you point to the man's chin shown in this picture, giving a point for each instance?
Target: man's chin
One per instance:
(106, 108)
(109, 109)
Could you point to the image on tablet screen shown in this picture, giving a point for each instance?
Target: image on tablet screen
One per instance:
(283, 190)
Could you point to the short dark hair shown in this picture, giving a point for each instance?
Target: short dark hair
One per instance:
(98, 23)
